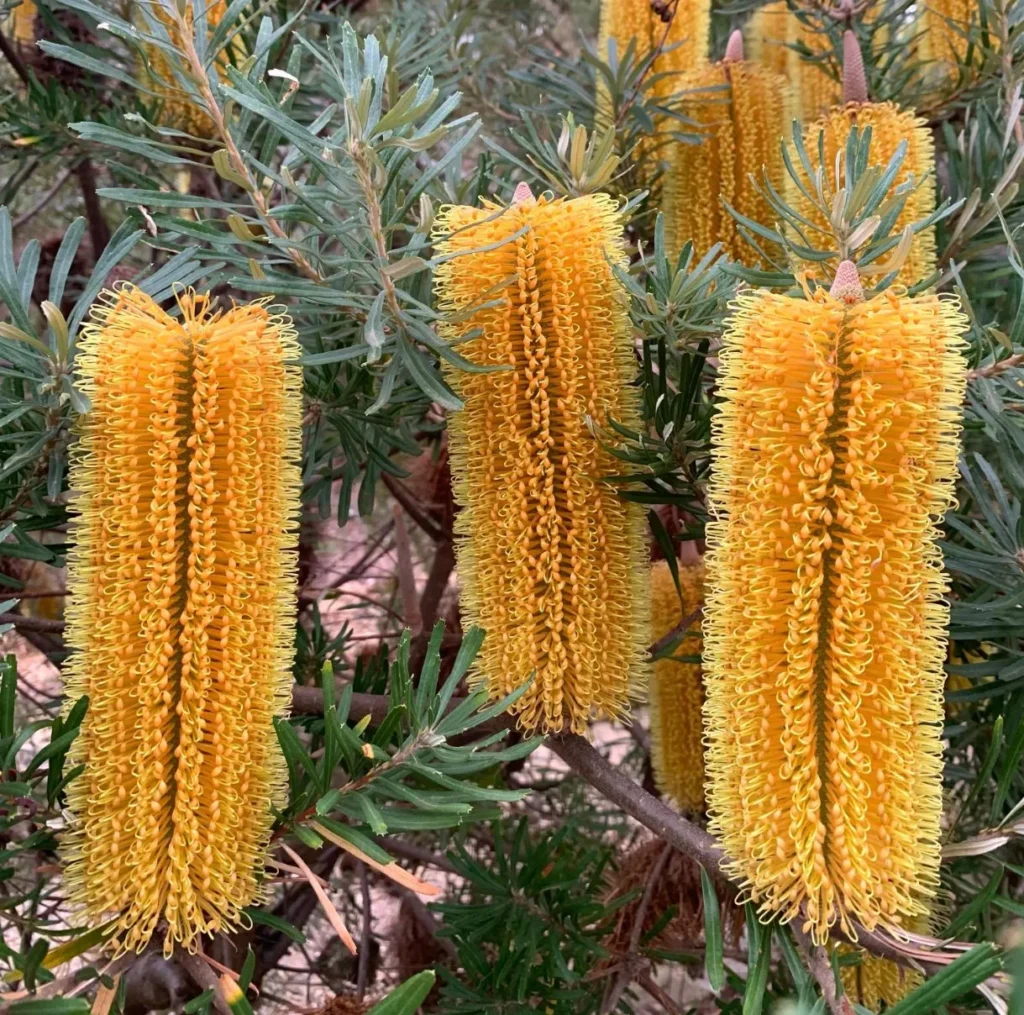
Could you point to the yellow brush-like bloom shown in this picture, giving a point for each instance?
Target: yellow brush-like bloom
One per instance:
(743, 110)
(890, 126)
(677, 693)
(875, 981)
(551, 560)
(179, 108)
(684, 40)
(824, 626)
(181, 617)
(22, 23)
(770, 33)
(944, 27)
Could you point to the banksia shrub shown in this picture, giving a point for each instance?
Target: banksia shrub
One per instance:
(874, 981)
(551, 560)
(742, 110)
(835, 452)
(676, 690)
(181, 616)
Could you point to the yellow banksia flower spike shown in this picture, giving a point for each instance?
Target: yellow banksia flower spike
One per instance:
(770, 35)
(676, 690)
(179, 108)
(824, 625)
(874, 981)
(22, 23)
(890, 127)
(743, 110)
(943, 30)
(551, 560)
(683, 41)
(182, 582)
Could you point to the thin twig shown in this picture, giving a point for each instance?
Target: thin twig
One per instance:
(27, 216)
(398, 490)
(364, 940)
(647, 982)
(634, 963)
(995, 369)
(238, 163)
(820, 967)
(205, 978)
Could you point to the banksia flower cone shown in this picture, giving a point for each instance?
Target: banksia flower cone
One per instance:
(874, 981)
(835, 452)
(889, 125)
(944, 30)
(682, 39)
(743, 110)
(181, 616)
(771, 33)
(676, 691)
(22, 23)
(179, 108)
(550, 558)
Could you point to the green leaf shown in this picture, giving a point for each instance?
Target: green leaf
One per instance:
(952, 982)
(714, 946)
(51, 1006)
(757, 980)
(265, 919)
(405, 999)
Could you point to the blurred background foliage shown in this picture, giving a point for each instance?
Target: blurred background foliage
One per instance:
(300, 151)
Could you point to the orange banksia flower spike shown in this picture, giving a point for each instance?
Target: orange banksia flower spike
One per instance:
(179, 108)
(22, 23)
(551, 561)
(834, 455)
(676, 691)
(182, 582)
(873, 981)
(944, 31)
(890, 126)
(679, 28)
(772, 35)
(742, 109)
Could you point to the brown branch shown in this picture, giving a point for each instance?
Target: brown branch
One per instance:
(406, 575)
(399, 491)
(437, 582)
(99, 231)
(205, 978)
(995, 369)
(32, 623)
(363, 974)
(817, 961)
(14, 60)
(647, 982)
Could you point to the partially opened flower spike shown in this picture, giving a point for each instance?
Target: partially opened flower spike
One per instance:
(741, 110)
(890, 127)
